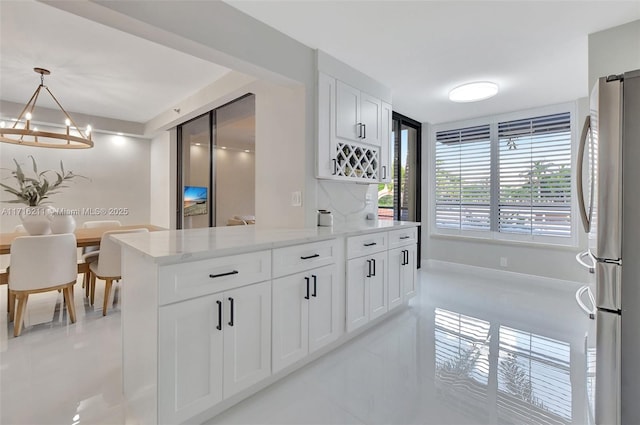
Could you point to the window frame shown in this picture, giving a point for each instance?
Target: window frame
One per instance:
(493, 121)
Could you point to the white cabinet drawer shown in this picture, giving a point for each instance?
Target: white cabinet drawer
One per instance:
(188, 280)
(358, 246)
(297, 258)
(403, 237)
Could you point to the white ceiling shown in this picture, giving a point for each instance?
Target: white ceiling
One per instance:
(95, 69)
(536, 51)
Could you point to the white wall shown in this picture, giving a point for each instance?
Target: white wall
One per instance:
(160, 171)
(235, 184)
(118, 168)
(614, 51)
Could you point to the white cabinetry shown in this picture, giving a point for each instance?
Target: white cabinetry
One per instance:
(307, 304)
(358, 115)
(213, 346)
(402, 266)
(353, 134)
(367, 292)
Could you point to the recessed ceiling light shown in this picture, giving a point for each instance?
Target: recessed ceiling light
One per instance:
(472, 92)
(223, 147)
(119, 134)
(197, 144)
(247, 150)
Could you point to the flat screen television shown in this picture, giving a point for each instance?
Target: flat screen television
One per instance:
(195, 200)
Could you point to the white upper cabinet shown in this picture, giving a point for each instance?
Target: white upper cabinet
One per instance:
(354, 135)
(348, 125)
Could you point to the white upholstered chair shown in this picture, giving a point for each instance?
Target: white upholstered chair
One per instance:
(108, 266)
(90, 253)
(41, 264)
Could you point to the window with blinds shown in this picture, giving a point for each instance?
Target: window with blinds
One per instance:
(509, 177)
(535, 176)
(463, 178)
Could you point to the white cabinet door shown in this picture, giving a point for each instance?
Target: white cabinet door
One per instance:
(410, 272)
(347, 112)
(190, 358)
(370, 117)
(247, 336)
(290, 320)
(386, 140)
(378, 304)
(324, 317)
(357, 292)
(327, 144)
(396, 275)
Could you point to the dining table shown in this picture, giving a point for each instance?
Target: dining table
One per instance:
(84, 237)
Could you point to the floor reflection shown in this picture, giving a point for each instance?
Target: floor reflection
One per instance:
(468, 350)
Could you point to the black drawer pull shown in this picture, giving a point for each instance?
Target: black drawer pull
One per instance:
(315, 285)
(370, 244)
(310, 256)
(231, 305)
(307, 296)
(374, 267)
(219, 327)
(405, 237)
(213, 276)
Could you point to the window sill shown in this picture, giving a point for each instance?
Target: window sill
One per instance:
(527, 244)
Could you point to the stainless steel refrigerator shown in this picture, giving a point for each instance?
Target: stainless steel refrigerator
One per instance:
(608, 176)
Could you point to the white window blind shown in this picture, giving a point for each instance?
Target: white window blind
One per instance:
(535, 176)
(463, 178)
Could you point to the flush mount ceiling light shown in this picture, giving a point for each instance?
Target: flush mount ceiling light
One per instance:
(473, 92)
(72, 138)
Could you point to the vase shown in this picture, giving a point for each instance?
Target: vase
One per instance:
(62, 223)
(36, 220)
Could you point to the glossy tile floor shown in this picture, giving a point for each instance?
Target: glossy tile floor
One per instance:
(468, 350)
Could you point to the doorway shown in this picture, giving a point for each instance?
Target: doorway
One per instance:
(400, 199)
(216, 166)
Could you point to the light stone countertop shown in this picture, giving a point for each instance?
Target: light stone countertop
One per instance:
(175, 246)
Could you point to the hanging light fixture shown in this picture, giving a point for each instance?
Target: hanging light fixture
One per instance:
(72, 138)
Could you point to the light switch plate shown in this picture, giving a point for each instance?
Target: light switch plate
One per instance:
(296, 199)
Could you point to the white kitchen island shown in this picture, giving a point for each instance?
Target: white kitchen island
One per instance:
(211, 316)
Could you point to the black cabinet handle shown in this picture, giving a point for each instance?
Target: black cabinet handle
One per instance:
(315, 285)
(404, 256)
(213, 276)
(369, 269)
(384, 171)
(364, 131)
(374, 267)
(231, 305)
(359, 130)
(310, 256)
(307, 296)
(405, 237)
(335, 167)
(370, 244)
(219, 327)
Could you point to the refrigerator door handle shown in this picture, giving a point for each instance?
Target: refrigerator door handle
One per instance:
(591, 312)
(587, 253)
(584, 215)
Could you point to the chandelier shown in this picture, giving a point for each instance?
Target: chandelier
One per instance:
(29, 135)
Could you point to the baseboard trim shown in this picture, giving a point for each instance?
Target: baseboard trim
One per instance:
(490, 273)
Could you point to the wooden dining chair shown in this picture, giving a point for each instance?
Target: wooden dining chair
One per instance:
(90, 253)
(108, 266)
(41, 264)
